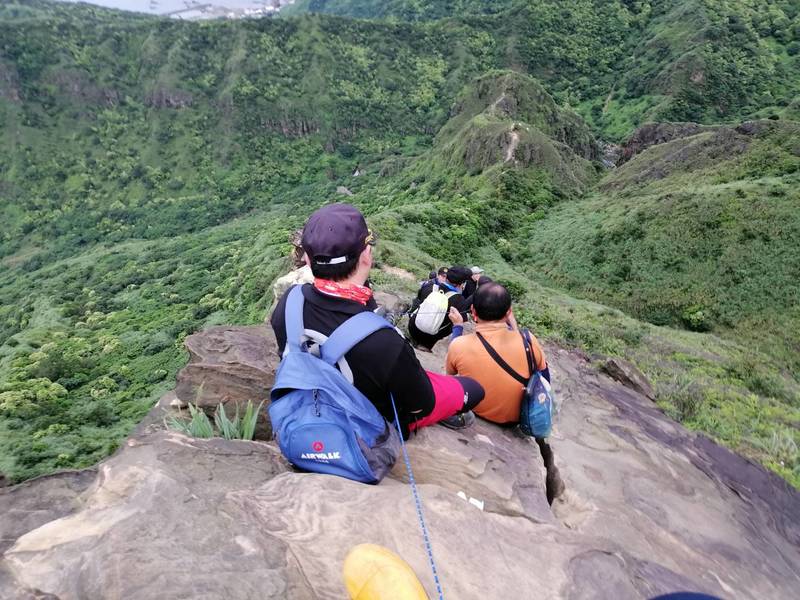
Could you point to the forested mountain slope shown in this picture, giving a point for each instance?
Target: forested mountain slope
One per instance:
(152, 170)
(406, 10)
(701, 232)
(622, 61)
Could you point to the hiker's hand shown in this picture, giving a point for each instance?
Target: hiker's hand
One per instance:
(455, 316)
(511, 320)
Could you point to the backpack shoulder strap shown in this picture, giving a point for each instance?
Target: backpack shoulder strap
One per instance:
(293, 316)
(499, 360)
(350, 333)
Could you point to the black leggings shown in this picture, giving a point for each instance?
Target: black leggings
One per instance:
(473, 392)
(547, 452)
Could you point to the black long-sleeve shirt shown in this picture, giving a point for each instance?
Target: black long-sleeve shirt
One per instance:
(381, 364)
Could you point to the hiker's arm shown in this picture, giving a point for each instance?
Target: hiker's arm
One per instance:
(461, 305)
(450, 361)
(458, 322)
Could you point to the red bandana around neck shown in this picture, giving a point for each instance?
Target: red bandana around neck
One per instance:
(357, 293)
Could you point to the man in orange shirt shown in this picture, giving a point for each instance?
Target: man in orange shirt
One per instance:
(468, 356)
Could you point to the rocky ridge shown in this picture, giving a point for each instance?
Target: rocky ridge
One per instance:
(508, 118)
(657, 151)
(650, 507)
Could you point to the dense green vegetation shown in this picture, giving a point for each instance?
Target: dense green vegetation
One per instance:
(405, 10)
(701, 232)
(623, 61)
(152, 169)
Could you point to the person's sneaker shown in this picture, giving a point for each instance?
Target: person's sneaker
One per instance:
(459, 421)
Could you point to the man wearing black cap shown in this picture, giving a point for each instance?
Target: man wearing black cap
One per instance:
(455, 278)
(338, 247)
(434, 277)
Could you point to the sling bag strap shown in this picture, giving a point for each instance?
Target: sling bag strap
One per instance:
(526, 340)
(499, 360)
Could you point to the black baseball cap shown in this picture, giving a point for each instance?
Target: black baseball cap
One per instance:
(335, 233)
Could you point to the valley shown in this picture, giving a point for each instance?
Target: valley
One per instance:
(152, 170)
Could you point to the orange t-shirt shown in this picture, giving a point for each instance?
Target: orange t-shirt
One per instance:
(467, 356)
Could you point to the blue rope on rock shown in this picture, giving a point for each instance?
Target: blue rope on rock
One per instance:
(418, 503)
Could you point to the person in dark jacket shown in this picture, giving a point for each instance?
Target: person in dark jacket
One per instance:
(435, 277)
(338, 247)
(456, 277)
(472, 283)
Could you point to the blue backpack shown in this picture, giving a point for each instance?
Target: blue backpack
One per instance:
(536, 409)
(321, 421)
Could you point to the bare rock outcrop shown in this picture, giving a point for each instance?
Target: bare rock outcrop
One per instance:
(297, 276)
(652, 134)
(628, 375)
(229, 365)
(344, 191)
(292, 127)
(81, 88)
(721, 141)
(9, 82)
(659, 150)
(650, 508)
(162, 97)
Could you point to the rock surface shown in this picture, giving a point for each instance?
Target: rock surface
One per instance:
(343, 191)
(650, 508)
(686, 147)
(628, 375)
(161, 97)
(77, 86)
(651, 134)
(9, 82)
(681, 154)
(232, 366)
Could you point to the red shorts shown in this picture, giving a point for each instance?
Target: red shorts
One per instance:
(448, 400)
